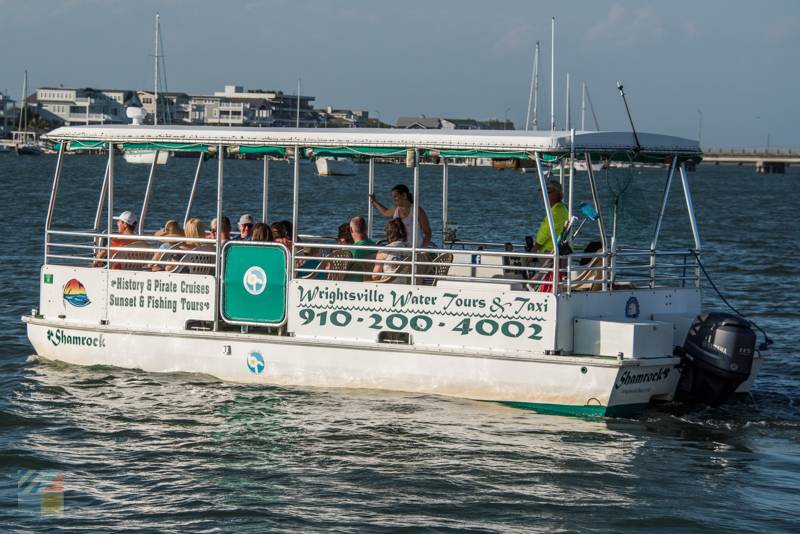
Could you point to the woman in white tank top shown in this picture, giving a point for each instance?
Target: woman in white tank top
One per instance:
(403, 209)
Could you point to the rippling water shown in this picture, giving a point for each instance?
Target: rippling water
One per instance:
(187, 453)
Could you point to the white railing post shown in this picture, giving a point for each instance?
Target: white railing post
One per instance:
(194, 189)
(657, 231)
(147, 194)
(52, 205)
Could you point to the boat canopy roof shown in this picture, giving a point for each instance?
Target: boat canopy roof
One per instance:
(497, 144)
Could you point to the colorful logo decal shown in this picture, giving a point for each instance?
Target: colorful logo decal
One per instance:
(255, 362)
(632, 308)
(75, 294)
(255, 280)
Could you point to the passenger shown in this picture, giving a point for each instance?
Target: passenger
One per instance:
(280, 235)
(195, 229)
(262, 232)
(245, 228)
(345, 237)
(396, 236)
(358, 228)
(403, 209)
(225, 229)
(544, 241)
(171, 229)
(126, 224)
(212, 234)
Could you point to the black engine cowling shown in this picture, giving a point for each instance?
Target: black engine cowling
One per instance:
(718, 357)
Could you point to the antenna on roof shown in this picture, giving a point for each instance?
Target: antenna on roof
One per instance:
(621, 92)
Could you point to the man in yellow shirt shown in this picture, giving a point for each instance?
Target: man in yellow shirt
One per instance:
(555, 195)
(544, 241)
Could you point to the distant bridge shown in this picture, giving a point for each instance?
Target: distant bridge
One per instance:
(766, 161)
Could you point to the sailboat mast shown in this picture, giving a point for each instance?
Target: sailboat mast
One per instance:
(536, 88)
(155, 112)
(567, 128)
(24, 105)
(583, 109)
(298, 103)
(552, 74)
(533, 81)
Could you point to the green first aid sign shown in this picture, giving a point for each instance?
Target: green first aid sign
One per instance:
(254, 283)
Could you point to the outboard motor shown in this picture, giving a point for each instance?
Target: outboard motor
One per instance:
(719, 354)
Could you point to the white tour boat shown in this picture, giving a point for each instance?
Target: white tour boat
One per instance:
(606, 338)
(330, 166)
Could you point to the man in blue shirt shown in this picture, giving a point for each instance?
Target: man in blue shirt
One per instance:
(246, 224)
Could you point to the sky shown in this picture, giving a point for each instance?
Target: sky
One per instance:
(732, 63)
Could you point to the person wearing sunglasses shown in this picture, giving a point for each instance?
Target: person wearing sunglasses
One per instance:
(246, 224)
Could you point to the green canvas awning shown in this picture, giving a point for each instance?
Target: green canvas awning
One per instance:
(269, 150)
(346, 151)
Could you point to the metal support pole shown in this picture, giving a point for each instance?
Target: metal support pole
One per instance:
(147, 194)
(658, 222)
(561, 173)
(369, 198)
(569, 201)
(218, 258)
(295, 204)
(194, 189)
(444, 200)
(415, 219)
(690, 208)
(550, 221)
(600, 225)
(110, 202)
(101, 201)
(52, 206)
(266, 189)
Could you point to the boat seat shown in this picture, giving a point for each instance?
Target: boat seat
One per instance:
(209, 262)
(443, 262)
(124, 256)
(589, 276)
(366, 266)
(339, 260)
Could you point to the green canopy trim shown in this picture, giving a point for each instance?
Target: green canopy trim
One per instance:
(346, 151)
(171, 147)
(638, 158)
(269, 150)
(83, 145)
(486, 154)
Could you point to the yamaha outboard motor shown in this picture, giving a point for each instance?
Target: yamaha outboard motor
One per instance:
(719, 354)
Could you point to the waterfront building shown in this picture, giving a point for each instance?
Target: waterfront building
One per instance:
(73, 106)
(345, 117)
(8, 115)
(430, 123)
(173, 108)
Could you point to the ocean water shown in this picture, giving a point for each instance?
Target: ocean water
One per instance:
(145, 452)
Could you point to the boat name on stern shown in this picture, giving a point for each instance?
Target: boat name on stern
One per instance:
(60, 337)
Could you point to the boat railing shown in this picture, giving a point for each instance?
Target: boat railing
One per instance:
(84, 253)
(628, 268)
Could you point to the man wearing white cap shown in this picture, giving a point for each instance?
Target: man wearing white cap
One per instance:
(245, 228)
(126, 224)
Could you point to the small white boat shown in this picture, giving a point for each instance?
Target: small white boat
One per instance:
(327, 166)
(4, 149)
(581, 166)
(146, 156)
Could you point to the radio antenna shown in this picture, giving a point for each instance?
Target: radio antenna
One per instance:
(621, 92)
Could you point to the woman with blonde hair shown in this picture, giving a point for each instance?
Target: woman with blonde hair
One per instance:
(195, 229)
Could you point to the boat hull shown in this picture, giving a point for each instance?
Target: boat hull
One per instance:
(565, 384)
(146, 157)
(29, 150)
(336, 167)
